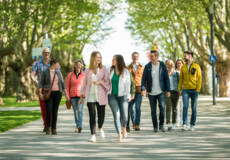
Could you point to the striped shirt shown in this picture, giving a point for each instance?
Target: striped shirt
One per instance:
(39, 66)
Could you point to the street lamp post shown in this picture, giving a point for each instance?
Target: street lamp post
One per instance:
(212, 53)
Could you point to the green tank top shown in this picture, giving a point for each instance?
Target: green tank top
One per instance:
(115, 83)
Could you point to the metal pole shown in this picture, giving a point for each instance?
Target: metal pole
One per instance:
(212, 52)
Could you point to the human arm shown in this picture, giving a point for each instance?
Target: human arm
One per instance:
(199, 76)
(67, 82)
(143, 82)
(105, 82)
(132, 87)
(33, 77)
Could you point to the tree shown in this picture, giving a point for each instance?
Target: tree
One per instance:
(175, 22)
(70, 25)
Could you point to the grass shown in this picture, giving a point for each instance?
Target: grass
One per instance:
(12, 119)
(11, 102)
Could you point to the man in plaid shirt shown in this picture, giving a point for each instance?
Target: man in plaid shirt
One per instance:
(38, 67)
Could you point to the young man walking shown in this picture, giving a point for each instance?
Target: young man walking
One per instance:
(190, 81)
(156, 78)
(134, 111)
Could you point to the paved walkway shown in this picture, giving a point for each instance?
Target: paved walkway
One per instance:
(211, 140)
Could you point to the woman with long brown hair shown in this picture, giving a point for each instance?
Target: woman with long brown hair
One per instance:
(95, 88)
(119, 95)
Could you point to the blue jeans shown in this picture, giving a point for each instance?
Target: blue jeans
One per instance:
(153, 104)
(119, 107)
(135, 109)
(186, 94)
(77, 108)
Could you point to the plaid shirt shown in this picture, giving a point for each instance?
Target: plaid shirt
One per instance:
(39, 66)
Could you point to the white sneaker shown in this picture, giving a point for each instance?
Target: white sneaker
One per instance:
(102, 134)
(93, 138)
(169, 127)
(192, 128)
(184, 127)
(173, 127)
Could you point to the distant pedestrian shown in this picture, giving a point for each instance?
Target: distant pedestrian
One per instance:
(119, 95)
(95, 88)
(136, 70)
(52, 76)
(74, 82)
(178, 66)
(172, 101)
(155, 80)
(190, 81)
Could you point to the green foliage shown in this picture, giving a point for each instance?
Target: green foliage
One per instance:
(12, 119)
(165, 21)
(11, 102)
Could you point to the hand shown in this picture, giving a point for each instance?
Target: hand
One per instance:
(67, 97)
(96, 83)
(168, 94)
(180, 93)
(143, 93)
(105, 80)
(80, 100)
(132, 97)
(41, 96)
(36, 82)
(128, 99)
(146, 94)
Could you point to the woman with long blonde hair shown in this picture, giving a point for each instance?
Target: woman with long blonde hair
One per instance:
(95, 88)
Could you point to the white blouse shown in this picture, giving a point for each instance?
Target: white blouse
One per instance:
(93, 93)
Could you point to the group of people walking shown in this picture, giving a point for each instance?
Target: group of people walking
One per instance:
(122, 88)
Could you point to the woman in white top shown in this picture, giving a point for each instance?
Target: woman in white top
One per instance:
(172, 101)
(95, 88)
(119, 95)
(178, 65)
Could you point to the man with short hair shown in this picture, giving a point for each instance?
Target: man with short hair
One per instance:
(38, 67)
(136, 70)
(156, 78)
(190, 80)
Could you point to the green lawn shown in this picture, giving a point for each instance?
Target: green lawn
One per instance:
(11, 102)
(12, 119)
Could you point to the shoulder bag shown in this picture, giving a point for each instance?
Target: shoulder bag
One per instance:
(46, 92)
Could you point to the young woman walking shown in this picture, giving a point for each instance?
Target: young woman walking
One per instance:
(119, 95)
(95, 88)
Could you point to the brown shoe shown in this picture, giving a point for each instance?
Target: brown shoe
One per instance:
(54, 131)
(79, 130)
(134, 126)
(137, 128)
(47, 130)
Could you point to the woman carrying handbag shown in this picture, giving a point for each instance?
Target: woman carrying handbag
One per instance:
(74, 82)
(51, 78)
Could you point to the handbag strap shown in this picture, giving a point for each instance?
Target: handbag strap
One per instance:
(53, 80)
(70, 82)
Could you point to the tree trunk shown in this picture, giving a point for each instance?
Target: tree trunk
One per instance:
(205, 86)
(224, 74)
(11, 82)
(26, 89)
(2, 83)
